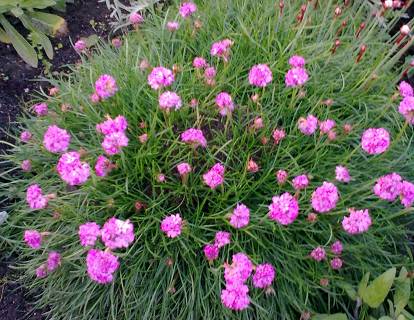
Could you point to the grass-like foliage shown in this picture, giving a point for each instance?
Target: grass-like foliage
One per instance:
(170, 278)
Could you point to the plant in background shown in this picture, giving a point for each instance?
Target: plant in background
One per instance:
(242, 164)
(39, 25)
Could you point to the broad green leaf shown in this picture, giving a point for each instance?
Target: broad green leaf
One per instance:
(385, 318)
(60, 5)
(377, 291)
(363, 284)
(43, 40)
(336, 316)
(349, 289)
(37, 4)
(402, 291)
(50, 24)
(411, 304)
(23, 48)
(4, 37)
(17, 12)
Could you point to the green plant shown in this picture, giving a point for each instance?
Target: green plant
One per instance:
(39, 24)
(164, 278)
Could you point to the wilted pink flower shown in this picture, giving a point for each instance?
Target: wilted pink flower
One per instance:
(221, 49)
(406, 108)
(25, 136)
(222, 238)
(347, 128)
(336, 263)
(312, 217)
(235, 296)
(358, 221)
(194, 137)
(89, 233)
(325, 197)
(135, 18)
(337, 247)
(199, 63)
(297, 62)
(95, 98)
(117, 234)
(263, 275)
(116, 42)
(257, 123)
(405, 89)
(183, 168)
(33, 239)
(101, 265)
(41, 109)
(194, 103)
(53, 91)
(342, 174)
(160, 77)
(173, 26)
(278, 135)
(161, 178)
(144, 65)
(26, 165)
(119, 124)
(375, 140)
(41, 271)
(114, 142)
(240, 269)
(53, 261)
(105, 86)
(318, 254)
(210, 73)
(281, 176)
(296, 77)
(260, 75)
(240, 216)
(331, 135)
(225, 103)
(407, 194)
(308, 125)
(388, 187)
(72, 170)
(211, 252)
(215, 176)
(172, 225)
(252, 166)
(326, 126)
(35, 197)
(56, 139)
(80, 45)
(284, 209)
(143, 138)
(103, 166)
(169, 100)
(187, 9)
(300, 182)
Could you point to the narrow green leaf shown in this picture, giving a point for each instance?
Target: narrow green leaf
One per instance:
(402, 291)
(349, 289)
(378, 290)
(336, 316)
(4, 37)
(385, 318)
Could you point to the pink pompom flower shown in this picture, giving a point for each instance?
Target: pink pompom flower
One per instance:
(26, 165)
(170, 100)
(173, 26)
(260, 75)
(105, 86)
(194, 137)
(80, 45)
(210, 73)
(318, 254)
(336, 263)
(239, 270)
(211, 252)
(41, 109)
(342, 174)
(278, 135)
(407, 194)
(264, 275)
(296, 77)
(33, 239)
(406, 109)
(221, 49)
(215, 176)
(56, 139)
(172, 225)
(35, 197)
(388, 187)
(308, 125)
(300, 182)
(25, 136)
(240, 216)
(187, 9)
(89, 233)
(136, 18)
(222, 238)
(103, 166)
(281, 176)
(53, 261)
(119, 124)
(326, 126)
(101, 265)
(325, 197)
(114, 142)
(337, 247)
(375, 140)
(284, 209)
(252, 166)
(406, 90)
(235, 296)
(117, 234)
(160, 77)
(184, 168)
(357, 222)
(72, 170)
(225, 103)
(297, 62)
(200, 63)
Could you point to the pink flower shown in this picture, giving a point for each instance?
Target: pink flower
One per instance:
(337, 247)
(160, 77)
(260, 75)
(284, 209)
(172, 225)
(56, 139)
(25, 136)
(41, 271)
(264, 275)
(35, 197)
(222, 238)
(358, 221)
(26, 165)
(72, 170)
(194, 137)
(210, 73)
(114, 142)
(300, 182)
(119, 124)
(89, 233)
(318, 254)
(161, 178)
(53, 261)
(169, 100)
(406, 108)
(225, 103)
(296, 77)
(235, 296)
(326, 126)
(103, 166)
(41, 109)
(80, 45)
(240, 269)
(297, 62)
(240, 216)
(135, 18)
(101, 265)
(278, 135)
(388, 187)
(252, 166)
(143, 138)
(407, 194)
(183, 168)
(33, 239)
(375, 140)
(215, 176)
(281, 176)
(308, 125)
(221, 49)
(325, 197)
(105, 86)
(173, 26)
(187, 9)
(117, 234)
(199, 63)
(257, 123)
(116, 42)
(405, 89)
(336, 263)
(211, 252)
(342, 174)
(95, 98)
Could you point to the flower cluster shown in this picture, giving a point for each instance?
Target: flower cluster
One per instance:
(194, 137)
(35, 197)
(342, 174)
(358, 221)
(284, 209)
(300, 182)
(105, 87)
(187, 9)
(72, 170)
(41, 109)
(308, 125)
(240, 216)
(56, 139)
(88, 233)
(406, 108)
(101, 265)
(391, 186)
(260, 75)
(221, 49)
(211, 251)
(172, 225)
(325, 197)
(114, 131)
(215, 176)
(160, 77)
(103, 166)
(224, 103)
(170, 100)
(297, 74)
(375, 140)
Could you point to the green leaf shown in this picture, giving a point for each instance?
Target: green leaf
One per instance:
(50, 24)
(377, 291)
(402, 291)
(91, 40)
(363, 284)
(4, 37)
(336, 316)
(23, 48)
(385, 318)
(349, 289)
(411, 304)
(17, 12)
(43, 40)
(36, 4)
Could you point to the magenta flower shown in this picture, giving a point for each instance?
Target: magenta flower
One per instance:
(103, 166)
(26, 165)
(318, 254)
(169, 100)
(325, 197)
(80, 45)
(183, 168)
(172, 225)
(33, 239)
(264, 275)
(240, 216)
(300, 182)
(194, 137)
(225, 103)
(240, 269)
(260, 75)
(135, 18)
(308, 125)
(119, 124)
(406, 109)
(114, 142)
(56, 139)
(342, 174)
(337, 247)
(406, 90)
(281, 176)
(35, 197)
(41, 271)
(297, 62)
(215, 176)
(41, 109)
(200, 63)
(336, 263)
(160, 77)
(161, 178)
(235, 296)
(89, 233)
(53, 261)
(72, 170)
(210, 73)
(358, 221)
(211, 252)
(101, 265)
(375, 140)
(296, 77)
(105, 86)
(284, 209)
(222, 238)
(278, 135)
(326, 126)
(187, 9)
(173, 26)
(407, 194)
(388, 187)
(117, 234)
(25, 136)
(221, 49)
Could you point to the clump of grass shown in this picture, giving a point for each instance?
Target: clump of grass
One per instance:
(169, 278)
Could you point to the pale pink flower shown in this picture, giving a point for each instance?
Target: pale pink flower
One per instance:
(211, 252)
(35, 197)
(103, 166)
(388, 187)
(80, 45)
(89, 233)
(225, 103)
(281, 176)
(53, 91)
(56, 139)
(173, 26)
(326, 126)
(257, 123)
(41, 109)
(252, 166)
(117, 234)
(161, 178)
(240, 216)
(331, 135)
(101, 265)
(72, 170)
(169, 100)
(264, 275)
(105, 86)
(406, 90)
(337, 247)
(95, 98)
(53, 261)
(172, 225)
(284, 209)
(116, 42)
(375, 140)
(41, 271)
(160, 77)
(325, 197)
(358, 221)
(210, 73)
(296, 77)
(25, 136)
(235, 296)
(336, 263)
(318, 254)
(200, 63)
(406, 109)
(278, 135)
(33, 239)
(297, 61)
(143, 138)
(260, 75)
(308, 125)
(222, 238)
(215, 176)
(221, 49)
(26, 165)
(187, 9)
(342, 174)
(194, 137)
(184, 168)
(407, 194)
(114, 142)
(135, 18)
(300, 182)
